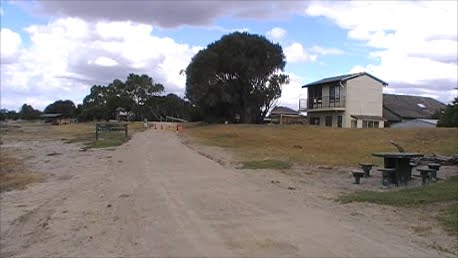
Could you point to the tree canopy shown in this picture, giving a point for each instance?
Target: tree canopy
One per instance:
(27, 112)
(240, 74)
(65, 107)
(139, 94)
(449, 117)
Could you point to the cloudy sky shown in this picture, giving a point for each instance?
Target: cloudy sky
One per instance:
(58, 49)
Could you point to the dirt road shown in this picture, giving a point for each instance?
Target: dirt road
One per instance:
(155, 197)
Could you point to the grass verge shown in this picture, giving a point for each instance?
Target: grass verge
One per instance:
(449, 219)
(265, 164)
(439, 192)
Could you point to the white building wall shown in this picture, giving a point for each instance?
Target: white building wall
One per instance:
(364, 96)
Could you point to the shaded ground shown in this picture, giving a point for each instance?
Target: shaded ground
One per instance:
(153, 196)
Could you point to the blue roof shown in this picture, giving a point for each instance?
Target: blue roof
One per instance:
(342, 78)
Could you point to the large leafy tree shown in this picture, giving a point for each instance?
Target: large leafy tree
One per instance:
(170, 105)
(238, 74)
(27, 112)
(65, 107)
(449, 117)
(95, 104)
(141, 88)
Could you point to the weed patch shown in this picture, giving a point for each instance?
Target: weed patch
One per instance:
(13, 175)
(449, 219)
(265, 164)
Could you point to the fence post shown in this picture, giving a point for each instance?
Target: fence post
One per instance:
(126, 129)
(96, 132)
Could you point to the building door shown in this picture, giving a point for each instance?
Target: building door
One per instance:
(339, 121)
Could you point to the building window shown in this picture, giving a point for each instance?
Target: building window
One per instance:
(314, 120)
(354, 123)
(339, 121)
(370, 124)
(334, 94)
(328, 121)
(315, 99)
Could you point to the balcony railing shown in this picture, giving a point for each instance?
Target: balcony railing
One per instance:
(325, 102)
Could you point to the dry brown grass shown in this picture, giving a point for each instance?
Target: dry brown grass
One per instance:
(322, 146)
(13, 174)
(82, 132)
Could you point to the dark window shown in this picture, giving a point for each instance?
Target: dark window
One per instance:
(364, 123)
(370, 124)
(314, 120)
(315, 100)
(376, 124)
(316, 92)
(339, 121)
(334, 93)
(328, 121)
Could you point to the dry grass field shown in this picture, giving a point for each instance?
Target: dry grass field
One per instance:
(14, 175)
(82, 132)
(322, 146)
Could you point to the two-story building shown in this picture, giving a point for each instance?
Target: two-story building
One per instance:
(351, 100)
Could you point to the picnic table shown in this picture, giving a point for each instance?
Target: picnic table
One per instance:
(400, 161)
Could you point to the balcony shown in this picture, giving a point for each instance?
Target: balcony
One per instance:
(324, 103)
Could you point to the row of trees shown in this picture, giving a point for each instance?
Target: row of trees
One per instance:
(65, 107)
(140, 95)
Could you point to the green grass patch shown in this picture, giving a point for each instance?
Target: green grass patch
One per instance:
(449, 219)
(266, 164)
(108, 142)
(439, 192)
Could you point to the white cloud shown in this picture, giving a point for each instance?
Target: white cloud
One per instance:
(10, 44)
(296, 53)
(414, 43)
(292, 92)
(276, 33)
(104, 61)
(67, 56)
(325, 51)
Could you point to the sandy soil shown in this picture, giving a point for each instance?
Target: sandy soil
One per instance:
(154, 196)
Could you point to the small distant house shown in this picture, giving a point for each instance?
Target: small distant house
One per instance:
(351, 101)
(402, 108)
(286, 115)
(123, 115)
(54, 119)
